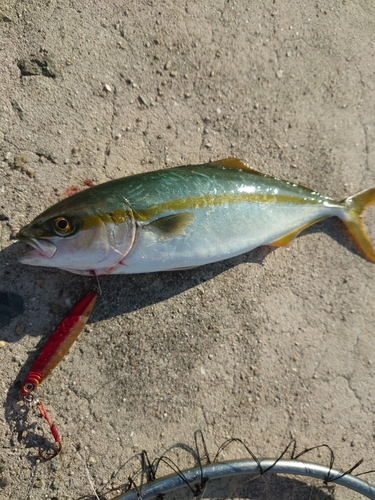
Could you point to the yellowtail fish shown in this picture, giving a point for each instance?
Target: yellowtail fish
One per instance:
(181, 217)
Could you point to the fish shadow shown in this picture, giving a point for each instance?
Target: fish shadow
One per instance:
(135, 292)
(120, 294)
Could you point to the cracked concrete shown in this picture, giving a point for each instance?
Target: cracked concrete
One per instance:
(273, 345)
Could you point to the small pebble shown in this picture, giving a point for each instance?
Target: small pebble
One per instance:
(52, 157)
(107, 88)
(30, 173)
(39, 483)
(20, 329)
(2, 344)
(55, 466)
(279, 73)
(144, 100)
(92, 460)
(55, 485)
(20, 160)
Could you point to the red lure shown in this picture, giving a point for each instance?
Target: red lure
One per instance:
(52, 353)
(59, 343)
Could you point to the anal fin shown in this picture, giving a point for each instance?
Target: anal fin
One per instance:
(289, 237)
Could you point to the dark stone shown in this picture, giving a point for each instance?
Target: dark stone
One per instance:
(42, 152)
(17, 108)
(43, 66)
(11, 305)
(5, 18)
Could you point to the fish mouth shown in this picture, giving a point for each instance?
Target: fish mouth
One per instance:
(44, 248)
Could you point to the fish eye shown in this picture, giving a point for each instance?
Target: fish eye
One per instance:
(62, 225)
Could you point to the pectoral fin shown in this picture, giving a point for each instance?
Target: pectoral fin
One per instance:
(171, 225)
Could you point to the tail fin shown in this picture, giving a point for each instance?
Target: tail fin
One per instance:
(357, 204)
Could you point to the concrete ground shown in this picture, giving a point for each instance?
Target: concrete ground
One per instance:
(273, 345)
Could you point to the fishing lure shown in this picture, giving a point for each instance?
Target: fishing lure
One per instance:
(52, 353)
(182, 217)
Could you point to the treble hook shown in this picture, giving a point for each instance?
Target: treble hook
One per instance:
(52, 353)
(54, 431)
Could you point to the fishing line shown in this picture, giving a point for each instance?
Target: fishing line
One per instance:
(87, 472)
(98, 284)
(33, 478)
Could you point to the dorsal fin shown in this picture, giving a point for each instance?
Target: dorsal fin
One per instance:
(234, 163)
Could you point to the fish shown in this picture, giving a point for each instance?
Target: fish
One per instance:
(182, 217)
